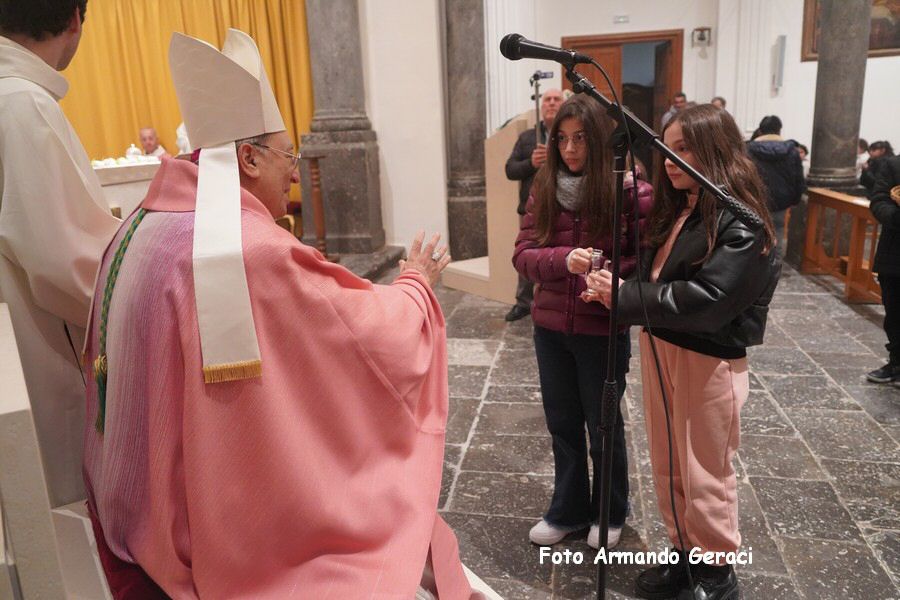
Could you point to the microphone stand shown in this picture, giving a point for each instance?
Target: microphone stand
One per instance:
(640, 135)
(536, 82)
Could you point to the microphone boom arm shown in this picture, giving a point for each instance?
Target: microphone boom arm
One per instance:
(642, 135)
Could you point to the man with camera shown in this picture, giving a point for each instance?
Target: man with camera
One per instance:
(526, 158)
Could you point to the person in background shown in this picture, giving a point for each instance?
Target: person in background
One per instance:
(181, 140)
(54, 226)
(526, 158)
(150, 143)
(679, 103)
(879, 153)
(568, 215)
(780, 168)
(704, 288)
(718, 102)
(862, 156)
(883, 202)
(803, 151)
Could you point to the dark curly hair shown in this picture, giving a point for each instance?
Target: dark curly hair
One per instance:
(38, 19)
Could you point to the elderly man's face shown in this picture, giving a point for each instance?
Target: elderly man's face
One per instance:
(277, 171)
(551, 100)
(149, 140)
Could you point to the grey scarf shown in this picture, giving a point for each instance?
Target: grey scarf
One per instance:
(568, 190)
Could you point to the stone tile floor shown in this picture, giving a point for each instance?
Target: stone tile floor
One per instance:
(819, 464)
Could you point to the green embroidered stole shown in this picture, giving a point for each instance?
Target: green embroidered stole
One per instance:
(101, 366)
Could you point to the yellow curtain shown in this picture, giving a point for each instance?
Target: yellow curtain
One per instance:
(119, 79)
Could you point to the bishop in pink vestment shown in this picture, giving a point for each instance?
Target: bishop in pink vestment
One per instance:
(319, 479)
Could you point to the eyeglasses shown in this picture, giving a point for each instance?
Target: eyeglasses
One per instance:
(295, 158)
(578, 140)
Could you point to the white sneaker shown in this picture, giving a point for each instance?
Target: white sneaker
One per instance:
(612, 537)
(545, 534)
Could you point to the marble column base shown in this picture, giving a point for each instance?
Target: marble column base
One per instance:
(373, 265)
(842, 179)
(467, 218)
(351, 190)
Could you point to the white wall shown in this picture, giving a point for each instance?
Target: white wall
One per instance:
(555, 19)
(508, 92)
(743, 74)
(402, 62)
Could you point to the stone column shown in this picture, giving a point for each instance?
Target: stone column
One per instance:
(341, 131)
(843, 50)
(466, 119)
(843, 47)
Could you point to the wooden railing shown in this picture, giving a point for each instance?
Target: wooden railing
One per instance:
(826, 250)
(315, 180)
(293, 221)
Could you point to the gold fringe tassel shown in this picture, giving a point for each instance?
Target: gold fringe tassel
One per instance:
(101, 369)
(232, 371)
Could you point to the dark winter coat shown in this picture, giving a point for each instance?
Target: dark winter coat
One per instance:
(557, 304)
(717, 307)
(781, 169)
(887, 255)
(519, 167)
(873, 170)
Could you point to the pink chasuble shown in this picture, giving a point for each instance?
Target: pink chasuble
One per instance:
(319, 479)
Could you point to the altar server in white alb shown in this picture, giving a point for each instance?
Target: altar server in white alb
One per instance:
(54, 226)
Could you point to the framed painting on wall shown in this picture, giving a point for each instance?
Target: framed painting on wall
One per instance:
(884, 34)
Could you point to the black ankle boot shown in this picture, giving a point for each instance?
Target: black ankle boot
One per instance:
(712, 583)
(663, 581)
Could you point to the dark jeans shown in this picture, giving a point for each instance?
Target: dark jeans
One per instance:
(890, 297)
(572, 370)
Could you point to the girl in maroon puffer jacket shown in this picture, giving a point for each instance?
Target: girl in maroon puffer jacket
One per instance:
(568, 215)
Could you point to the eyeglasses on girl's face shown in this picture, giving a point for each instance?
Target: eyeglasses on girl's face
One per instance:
(578, 140)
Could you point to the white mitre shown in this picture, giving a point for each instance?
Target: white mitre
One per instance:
(224, 96)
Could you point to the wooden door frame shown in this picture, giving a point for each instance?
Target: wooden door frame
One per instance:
(674, 36)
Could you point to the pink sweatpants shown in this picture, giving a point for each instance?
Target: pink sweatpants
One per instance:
(705, 395)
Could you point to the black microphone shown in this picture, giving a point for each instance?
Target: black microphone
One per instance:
(514, 47)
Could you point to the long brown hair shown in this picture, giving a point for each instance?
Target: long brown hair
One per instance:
(716, 142)
(598, 184)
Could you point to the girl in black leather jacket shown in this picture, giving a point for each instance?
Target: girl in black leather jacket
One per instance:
(706, 283)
